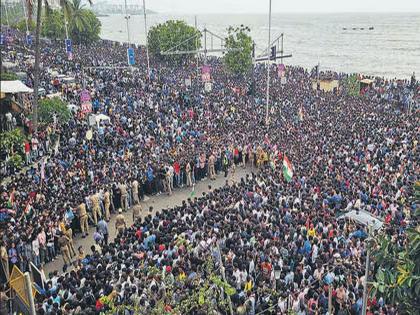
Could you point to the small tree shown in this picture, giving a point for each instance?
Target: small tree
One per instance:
(351, 85)
(12, 141)
(165, 36)
(238, 62)
(397, 276)
(8, 76)
(48, 108)
(52, 25)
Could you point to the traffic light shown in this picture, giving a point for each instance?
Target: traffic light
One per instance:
(253, 50)
(273, 53)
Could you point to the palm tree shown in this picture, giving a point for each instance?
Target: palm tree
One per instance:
(78, 16)
(67, 8)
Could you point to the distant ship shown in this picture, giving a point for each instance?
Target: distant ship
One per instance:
(355, 28)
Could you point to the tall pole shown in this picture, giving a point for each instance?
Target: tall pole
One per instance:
(205, 45)
(128, 27)
(268, 64)
(26, 17)
(7, 13)
(145, 33)
(196, 47)
(28, 290)
(365, 282)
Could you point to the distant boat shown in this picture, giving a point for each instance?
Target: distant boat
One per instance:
(362, 28)
(371, 28)
(344, 29)
(354, 28)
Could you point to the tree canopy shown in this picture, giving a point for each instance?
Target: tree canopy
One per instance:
(397, 265)
(238, 62)
(171, 33)
(48, 108)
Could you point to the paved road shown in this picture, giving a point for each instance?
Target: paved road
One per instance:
(158, 202)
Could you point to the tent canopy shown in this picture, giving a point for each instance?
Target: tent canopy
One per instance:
(14, 87)
(101, 117)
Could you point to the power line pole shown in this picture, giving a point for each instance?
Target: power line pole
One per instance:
(365, 282)
(197, 54)
(268, 64)
(145, 33)
(128, 27)
(7, 13)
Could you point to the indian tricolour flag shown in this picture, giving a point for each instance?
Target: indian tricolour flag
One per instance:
(287, 169)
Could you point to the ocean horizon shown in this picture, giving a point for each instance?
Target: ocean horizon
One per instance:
(337, 41)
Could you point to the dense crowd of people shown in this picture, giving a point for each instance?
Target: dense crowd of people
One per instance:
(278, 243)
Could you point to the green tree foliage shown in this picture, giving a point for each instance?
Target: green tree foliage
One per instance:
(238, 62)
(48, 108)
(53, 25)
(169, 34)
(397, 268)
(8, 76)
(21, 25)
(12, 141)
(351, 85)
(84, 25)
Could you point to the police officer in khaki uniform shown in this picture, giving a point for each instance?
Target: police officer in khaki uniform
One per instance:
(123, 190)
(69, 234)
(120, 222)
(137, 209)
(107, 204)
(189, 173)
(63, 242)
(83, 219)
(212, 172)
(96, 208)
(135, 191)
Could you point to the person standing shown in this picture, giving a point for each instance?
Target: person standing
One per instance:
(69, 234)
(42, 240)
(137, 209)
(135, 191)
(63, 242)
(123, 190)
(103, 229)
(83, 219)
(107, 204)
(96, 208)
(120, 224)
(188, 171)
(212, 172)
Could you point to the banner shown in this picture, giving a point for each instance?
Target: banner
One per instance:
(207, 86)
(205, 73)
(84, 96)
(130, 56)
(281, 70)
(69, 49)
(86, 108)
(85, 102)
(29, 39)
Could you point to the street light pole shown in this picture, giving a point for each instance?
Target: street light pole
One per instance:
(365, 282)
(268, 64)
(145, 33)
(128, 27)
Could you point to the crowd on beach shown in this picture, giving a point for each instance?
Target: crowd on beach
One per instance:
(278, 243)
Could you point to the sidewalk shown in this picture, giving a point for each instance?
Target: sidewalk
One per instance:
(158, 202)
